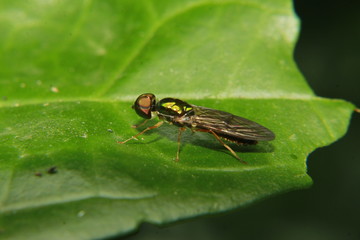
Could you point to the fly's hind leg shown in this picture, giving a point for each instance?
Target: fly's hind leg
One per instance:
(142, 132)
(222, 143)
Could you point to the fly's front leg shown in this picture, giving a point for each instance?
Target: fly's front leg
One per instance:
(140, 124)
(142, 132)
(181, 129)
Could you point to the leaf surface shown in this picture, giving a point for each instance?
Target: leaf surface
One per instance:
(70, 72)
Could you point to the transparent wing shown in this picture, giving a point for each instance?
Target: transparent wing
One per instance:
(230, 126)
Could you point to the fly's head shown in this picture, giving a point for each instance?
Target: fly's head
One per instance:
(145, 105)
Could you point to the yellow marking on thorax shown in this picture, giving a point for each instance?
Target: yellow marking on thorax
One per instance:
(176, 108)
(187, 108)
(172, 106)
(168, 104)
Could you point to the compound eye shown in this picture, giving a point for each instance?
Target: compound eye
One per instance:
(143, 105)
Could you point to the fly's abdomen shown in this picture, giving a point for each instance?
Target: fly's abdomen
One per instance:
(237, 140)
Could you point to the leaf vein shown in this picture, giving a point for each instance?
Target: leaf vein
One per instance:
(152, 32)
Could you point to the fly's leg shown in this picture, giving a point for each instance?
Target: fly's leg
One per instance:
(227, 147)
(222, 143)
(179, 143)
(139, 125)
(142, 132)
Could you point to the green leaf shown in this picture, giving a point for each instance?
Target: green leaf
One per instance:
(69, 72)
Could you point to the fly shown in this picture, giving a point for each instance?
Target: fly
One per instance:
(222, 125)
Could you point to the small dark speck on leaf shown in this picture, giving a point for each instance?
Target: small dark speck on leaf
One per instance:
(293, 156)
(38, 174)
(52, 170)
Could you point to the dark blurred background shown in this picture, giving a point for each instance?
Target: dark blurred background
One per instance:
(328, 54)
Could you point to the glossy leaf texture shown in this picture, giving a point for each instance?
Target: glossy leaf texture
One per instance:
(69, 73)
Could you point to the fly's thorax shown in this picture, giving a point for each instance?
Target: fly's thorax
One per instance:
(175, 111)
(174, 107)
